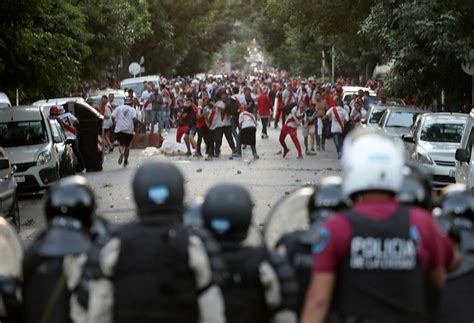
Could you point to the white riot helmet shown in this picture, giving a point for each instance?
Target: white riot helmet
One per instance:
(371, 161)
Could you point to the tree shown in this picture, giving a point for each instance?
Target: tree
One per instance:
(427, 41)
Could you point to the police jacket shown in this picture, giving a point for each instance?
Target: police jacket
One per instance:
(155, 270)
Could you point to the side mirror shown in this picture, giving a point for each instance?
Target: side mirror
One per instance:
(57, 140)
(4, 163)
(408, 139)
(462, 155)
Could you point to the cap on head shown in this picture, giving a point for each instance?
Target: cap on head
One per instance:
(71, 197)
(227, 212)
(371, 161)
(158, 189)
(54, 111)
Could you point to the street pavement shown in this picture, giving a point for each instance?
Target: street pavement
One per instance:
(268, 179)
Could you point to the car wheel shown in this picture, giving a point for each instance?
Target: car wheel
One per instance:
(14, 216)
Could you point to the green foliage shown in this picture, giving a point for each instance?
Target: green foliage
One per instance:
(238, 55)
(427, 41)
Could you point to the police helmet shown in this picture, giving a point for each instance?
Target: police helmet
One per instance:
(158, 188)
(455, 215)
(457, 201)
(69, 209)
(416, 188)
(71, 197)
(326, 199)
(227, 212)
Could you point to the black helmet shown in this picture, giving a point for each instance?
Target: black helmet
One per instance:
(158, 188)
(457, 201)
(71, 197)
(327, 199)
(416, 188)
(69, 209)
(227, 212)
(455, 215)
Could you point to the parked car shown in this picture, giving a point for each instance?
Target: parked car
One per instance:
(464, 173)
(136, 83)
(8, 200)
(432, 144)
(65, 152)
(373, 115)
(26, 137)
(397, 121)
(4, 101)
(90, 132)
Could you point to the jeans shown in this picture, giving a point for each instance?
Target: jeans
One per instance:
(163, 115)
(235, 133)
(337, 136)
(264, 125)
(77, 152)
(218, 132)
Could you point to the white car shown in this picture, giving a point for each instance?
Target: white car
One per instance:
(96, 98)
(432, 144)
(136, 83)
(4, 101)
(397, 121)
(27, 139)
(464, 173)
(347, 92)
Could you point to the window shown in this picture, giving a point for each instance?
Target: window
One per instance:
(24, 133)
(434, 131)
(376, 115)
(401, 119)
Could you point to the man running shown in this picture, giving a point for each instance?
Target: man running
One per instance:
(124, 117)
(289, 128)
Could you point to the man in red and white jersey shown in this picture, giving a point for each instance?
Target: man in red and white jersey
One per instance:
(289, 128)
(69, 123)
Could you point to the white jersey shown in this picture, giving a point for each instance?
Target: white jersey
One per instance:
(68, 121)
(247, 120)
(291, 122)
(337, 126)
(124, 116)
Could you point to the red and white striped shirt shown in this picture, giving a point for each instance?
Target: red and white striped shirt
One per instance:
(247, 120)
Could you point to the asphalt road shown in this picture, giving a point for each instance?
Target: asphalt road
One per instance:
(268, 179)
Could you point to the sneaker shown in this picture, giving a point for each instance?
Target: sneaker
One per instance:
(263, 136)
(256, 157)
(319, 148)
(125, 163)
(339, 155)
(208, 158)
(285, 152)
(312, 150)
(299, 157)
(197, 155)
(120, 160)
(236, 155)
(84, 171)
(188, 153)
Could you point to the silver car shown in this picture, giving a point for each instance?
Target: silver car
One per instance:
(432, 144)
(397, 121)
(8, 199)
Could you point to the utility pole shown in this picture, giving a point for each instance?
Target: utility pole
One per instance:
(333, 69)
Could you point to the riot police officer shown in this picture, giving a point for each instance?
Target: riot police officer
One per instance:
(11, 254)
(416, 188)
(53, 262)
(364, 255)
(457, 208)
(326, 199)
(261, 285)
(158, 271)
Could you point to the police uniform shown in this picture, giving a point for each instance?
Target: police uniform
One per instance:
(53, 263)
(261, 286)
(156, 270)
(11, 274)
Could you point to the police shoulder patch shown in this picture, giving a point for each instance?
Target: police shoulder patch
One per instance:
(320, 239)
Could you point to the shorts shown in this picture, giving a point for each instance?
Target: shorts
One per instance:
(182, 130)
(247, 136)
(191, 131)
(309, 131)
(123, 138)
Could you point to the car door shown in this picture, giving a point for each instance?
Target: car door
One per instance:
(415, 134)
(463, 170)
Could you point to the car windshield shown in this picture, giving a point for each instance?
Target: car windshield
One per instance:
(136, 87)
(4, 105)
(441, 132)
(23, 133)
(376, 115)
(401, 119)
